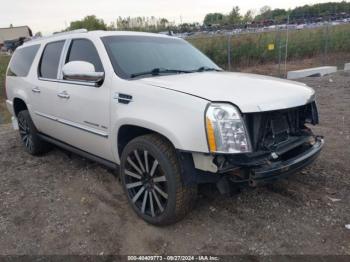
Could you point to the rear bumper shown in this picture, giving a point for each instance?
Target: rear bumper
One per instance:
(281, 169)
(9, 105)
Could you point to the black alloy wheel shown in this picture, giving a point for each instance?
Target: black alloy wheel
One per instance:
(30, 136)
(151, 177)
(146, 183)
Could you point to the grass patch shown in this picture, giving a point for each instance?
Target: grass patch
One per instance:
(252, 49)
(5, 116)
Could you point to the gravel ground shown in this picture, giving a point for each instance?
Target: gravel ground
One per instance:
(63, 204)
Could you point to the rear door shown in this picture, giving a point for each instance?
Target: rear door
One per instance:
(84, 107)
(44, 91)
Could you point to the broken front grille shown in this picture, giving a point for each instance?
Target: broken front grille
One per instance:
(269, 130)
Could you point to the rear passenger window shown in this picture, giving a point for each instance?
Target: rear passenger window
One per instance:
(50, 60)
(84, 50)
(22, 60)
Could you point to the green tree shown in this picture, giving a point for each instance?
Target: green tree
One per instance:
(234, 17)
(163, 23)
(214, 19)
(90, 23)
(265, 10)
(248, 17)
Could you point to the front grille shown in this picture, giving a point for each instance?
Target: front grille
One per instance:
(268, 130)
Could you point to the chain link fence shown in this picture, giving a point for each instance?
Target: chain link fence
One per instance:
(274, 52)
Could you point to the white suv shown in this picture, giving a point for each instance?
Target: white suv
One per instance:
(161, 112)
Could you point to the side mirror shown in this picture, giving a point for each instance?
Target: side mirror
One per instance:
(82, 71)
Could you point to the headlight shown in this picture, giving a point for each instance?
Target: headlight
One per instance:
(226, 131)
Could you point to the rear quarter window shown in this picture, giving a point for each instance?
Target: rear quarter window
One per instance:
(22, 61)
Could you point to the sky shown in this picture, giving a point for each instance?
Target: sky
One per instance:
(49, 16)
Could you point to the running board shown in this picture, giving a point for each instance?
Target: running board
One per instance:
(79, 152)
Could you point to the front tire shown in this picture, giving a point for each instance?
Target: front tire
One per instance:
(151, 178)
(29, 135)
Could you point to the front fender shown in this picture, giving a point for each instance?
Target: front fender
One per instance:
(177, 116)
(144, 124)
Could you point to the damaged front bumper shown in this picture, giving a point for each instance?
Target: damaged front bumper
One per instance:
(255, 169)
(276, 170)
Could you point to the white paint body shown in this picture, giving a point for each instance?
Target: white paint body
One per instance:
(173, 106)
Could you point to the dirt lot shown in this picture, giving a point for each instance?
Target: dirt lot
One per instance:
(62, 204)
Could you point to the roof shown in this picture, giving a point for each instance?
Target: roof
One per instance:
(82, 33)
(11, 33)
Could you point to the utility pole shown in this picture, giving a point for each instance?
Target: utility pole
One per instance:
(286, 55)
(229, 52)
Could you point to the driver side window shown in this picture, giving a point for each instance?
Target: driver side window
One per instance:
(84, 50)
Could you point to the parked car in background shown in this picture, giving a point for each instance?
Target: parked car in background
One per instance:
(11, 45)
(162, 113)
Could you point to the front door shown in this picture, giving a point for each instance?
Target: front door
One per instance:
(84, 107)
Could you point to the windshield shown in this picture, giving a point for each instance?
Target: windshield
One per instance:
(145, 56)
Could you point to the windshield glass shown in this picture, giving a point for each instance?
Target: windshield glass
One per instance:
(144, 56)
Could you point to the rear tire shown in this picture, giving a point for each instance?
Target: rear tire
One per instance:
(30, 136)
(151, 178)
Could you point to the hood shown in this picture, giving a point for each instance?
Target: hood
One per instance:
(251, 93)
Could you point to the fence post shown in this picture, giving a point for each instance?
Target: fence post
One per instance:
(286, 53)
(229, 52)
(279, 52)
(326, 36)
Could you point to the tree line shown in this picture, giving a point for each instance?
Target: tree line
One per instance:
(304, 14)
(149, 24)
(266, 15)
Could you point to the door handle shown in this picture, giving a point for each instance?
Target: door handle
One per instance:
(123, 98)
(36, 90)
(64, 95)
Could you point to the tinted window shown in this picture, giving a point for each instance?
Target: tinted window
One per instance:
(84, 50)
(135, 54)
(22, 61)
(50, 60)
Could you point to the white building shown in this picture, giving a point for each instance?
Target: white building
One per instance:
(12, 33)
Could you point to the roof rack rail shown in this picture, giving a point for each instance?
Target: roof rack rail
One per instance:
(83, 30)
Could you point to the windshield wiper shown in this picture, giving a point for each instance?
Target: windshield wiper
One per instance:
(158, 71)
(206, 69)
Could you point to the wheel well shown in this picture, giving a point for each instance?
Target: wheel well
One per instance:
(19, 105)
(129, 132)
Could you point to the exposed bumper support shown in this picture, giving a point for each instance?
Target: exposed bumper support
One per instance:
(255, 170)
(269, 173)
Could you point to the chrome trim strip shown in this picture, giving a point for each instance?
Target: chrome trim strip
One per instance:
(81, 127)
(75, 125)
(68, 82)
(92, 124)
(46, 116)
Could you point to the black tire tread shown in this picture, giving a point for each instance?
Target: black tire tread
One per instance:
(185, 195)
(39, 146)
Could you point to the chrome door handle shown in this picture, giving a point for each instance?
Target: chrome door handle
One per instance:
(36, 90)
(64, 95)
